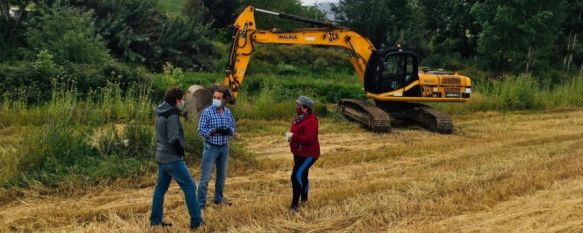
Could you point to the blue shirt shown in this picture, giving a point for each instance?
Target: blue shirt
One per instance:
(211, 119)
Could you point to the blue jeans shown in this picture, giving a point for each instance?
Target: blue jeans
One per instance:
(179, 172)
(213, 155)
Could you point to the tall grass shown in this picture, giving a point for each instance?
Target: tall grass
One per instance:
(108, 133)
(265, 105)
(520, 93)
(69, 140)
(271, 96)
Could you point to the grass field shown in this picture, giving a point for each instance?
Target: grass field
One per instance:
(498, 172)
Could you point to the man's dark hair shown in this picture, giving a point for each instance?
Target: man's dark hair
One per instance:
(223, 89)
(173, 94)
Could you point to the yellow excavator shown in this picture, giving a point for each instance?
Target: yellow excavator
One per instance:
(391, 77)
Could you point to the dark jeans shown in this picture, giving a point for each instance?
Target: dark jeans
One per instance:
(179, 172)
(213, 155)
(299, 178)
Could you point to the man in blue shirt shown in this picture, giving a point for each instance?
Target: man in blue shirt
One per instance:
(216, 125)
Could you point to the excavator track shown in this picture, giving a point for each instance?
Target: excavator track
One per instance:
(435, 120)
(428, 117)
(369, 115)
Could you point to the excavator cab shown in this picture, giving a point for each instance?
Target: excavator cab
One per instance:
(391, 70)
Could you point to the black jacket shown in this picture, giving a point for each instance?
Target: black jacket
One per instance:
(169, 134)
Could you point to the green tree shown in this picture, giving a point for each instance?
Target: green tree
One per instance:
(411, 35)
(21, 4)
(5, 9)
(518, 36)
(374, 19)
(68, 34)
(185, 42)
(452, 26)
(221, 12)
(12, 39)
(130, 27)
(137, 32)
(572, 50)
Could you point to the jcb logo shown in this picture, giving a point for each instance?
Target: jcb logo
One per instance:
(332, 36)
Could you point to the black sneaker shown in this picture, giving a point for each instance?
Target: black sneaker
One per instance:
(224, 202)
(195, 226)
(294, 209)
(162, 224)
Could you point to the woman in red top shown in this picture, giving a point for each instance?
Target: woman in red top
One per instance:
(304, 144)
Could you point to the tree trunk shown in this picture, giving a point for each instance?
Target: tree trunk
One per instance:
(528, 58)
(568, 48)
(569, 62)
(5, 9)
(571, 55)
(21, 11)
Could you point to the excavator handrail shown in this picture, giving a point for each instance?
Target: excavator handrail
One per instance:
(297, 18)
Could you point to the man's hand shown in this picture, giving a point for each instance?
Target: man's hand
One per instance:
(224, 130)
(288, 136)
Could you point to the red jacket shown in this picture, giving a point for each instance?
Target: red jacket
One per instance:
(304, 141)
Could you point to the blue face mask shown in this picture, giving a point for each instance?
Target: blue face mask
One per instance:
(217, 103)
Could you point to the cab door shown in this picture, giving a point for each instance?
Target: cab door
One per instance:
(390, 71)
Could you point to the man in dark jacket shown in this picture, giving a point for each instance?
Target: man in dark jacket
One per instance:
(304, 145)
(170, 158)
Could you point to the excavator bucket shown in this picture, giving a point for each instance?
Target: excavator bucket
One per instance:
(197, 98)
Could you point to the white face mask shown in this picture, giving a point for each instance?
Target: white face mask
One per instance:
(217, 103)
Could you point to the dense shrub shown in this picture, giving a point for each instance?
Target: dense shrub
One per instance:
(68, 35)
(32, 80)
(137, 32)
(12, 40)
(65, 47)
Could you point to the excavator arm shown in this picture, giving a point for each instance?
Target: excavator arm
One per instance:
(247, 35)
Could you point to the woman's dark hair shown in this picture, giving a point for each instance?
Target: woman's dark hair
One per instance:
(172, 94)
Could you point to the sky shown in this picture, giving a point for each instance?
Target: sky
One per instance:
(311, 2)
